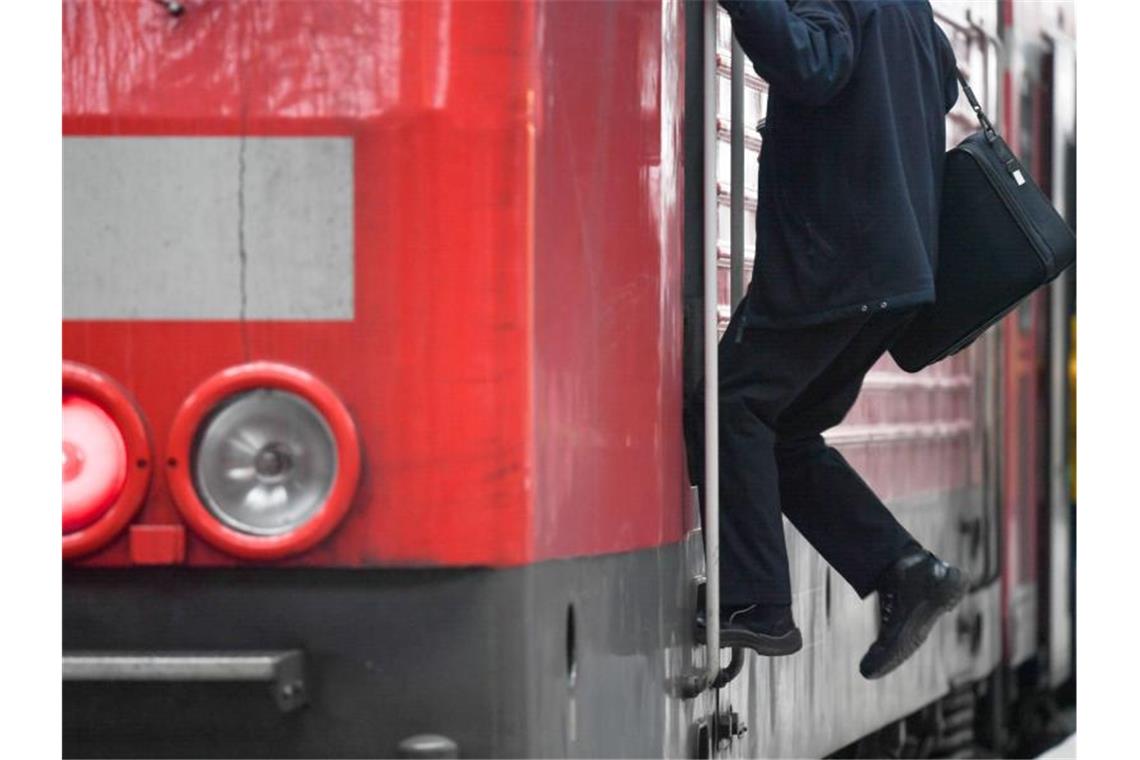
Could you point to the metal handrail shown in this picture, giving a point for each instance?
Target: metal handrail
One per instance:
(283, 669)
(736, 190)
(711, 453)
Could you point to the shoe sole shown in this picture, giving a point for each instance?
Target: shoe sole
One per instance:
(915, 630)
(768, 646)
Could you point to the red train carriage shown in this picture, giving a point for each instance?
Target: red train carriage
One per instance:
(374, 348)
(443, 241)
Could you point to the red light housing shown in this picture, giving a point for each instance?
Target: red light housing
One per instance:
(263, 460)
(106, 459)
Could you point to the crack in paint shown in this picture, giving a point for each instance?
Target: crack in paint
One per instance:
(243, 254)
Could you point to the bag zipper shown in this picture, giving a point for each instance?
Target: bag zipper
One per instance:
(1048, 260)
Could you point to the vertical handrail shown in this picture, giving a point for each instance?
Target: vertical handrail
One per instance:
(1058, 462)
(712, 464)
(736, 192)
(990, 348)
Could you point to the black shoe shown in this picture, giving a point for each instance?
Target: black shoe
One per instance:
(913, 594)
(766, 629)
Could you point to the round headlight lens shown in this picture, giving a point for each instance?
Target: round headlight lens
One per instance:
(264, 462)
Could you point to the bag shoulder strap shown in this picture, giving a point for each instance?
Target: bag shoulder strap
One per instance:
(984, 120)
(999, 146)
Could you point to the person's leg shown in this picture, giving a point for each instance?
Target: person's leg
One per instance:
(827, 501)
(761, 371)
(838, 513)
(753, 556)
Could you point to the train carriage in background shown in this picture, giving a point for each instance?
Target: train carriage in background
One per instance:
(377, 322)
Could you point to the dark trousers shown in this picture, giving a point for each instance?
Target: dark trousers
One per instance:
(780, 388)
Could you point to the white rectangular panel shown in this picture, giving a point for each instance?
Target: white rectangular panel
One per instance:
(208, 228)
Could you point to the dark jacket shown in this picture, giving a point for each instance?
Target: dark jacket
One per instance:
(851, 163)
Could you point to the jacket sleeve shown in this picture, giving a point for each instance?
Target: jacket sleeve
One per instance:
(950, 71)
(806, 49)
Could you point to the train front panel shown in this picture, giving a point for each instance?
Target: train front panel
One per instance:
(392, 291)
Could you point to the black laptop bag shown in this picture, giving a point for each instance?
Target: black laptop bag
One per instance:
(999, 239)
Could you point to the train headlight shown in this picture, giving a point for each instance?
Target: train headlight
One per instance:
(263, 460)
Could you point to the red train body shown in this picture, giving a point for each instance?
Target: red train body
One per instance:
(463, 232)
(471, 352)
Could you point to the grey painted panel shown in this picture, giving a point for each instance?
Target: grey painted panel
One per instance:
(158, 227)
(633, 651)
(483, 656)
(480, 656)
(388, 654)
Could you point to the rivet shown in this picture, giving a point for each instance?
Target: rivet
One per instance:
(883, 305)
(863, 308)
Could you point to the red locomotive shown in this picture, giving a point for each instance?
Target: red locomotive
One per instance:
(377, 318)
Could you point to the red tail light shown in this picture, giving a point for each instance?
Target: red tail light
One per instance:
(94, 462)
(106, 459)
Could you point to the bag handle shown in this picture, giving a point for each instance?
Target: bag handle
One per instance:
(1008, 159)
(987, 126)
